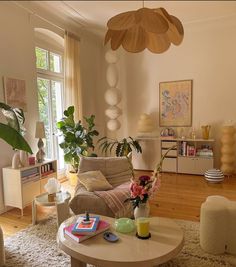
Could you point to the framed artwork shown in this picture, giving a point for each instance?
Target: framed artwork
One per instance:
(175, 103)
(15, 93)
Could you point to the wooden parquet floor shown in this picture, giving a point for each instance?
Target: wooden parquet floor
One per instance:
(180, 197)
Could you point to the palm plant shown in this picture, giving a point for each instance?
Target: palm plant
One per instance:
(122, 147)
(12, 132)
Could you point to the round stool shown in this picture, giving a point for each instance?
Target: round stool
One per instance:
(213, 224)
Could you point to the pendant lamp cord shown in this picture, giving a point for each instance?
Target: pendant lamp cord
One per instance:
(143, 3)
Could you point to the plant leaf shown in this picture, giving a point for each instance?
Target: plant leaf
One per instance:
(14, 138)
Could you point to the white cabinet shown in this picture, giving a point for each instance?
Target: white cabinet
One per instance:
(191, 156)
(20, 186)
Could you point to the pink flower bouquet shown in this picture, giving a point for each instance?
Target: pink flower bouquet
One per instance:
(143, 188)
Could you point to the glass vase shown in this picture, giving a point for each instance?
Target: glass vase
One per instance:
(142, 210)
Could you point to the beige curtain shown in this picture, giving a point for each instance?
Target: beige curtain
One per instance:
(72, 87)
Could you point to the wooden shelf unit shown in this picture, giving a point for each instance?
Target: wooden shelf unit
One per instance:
(20, 186)
(188, 156)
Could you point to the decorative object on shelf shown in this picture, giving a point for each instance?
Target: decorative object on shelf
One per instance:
(206, 131)
(52, 187)
(145, 124)
(143, 228)
(15, 163)
(122, 148)
(40, 133)
(112, 95)
(31, 160)
(142, 210)
(78, 140)
(193, 134)
(124, 225)
(23, 158)
(175, 103)
(168, 132)
(153, 29)
(227, 149)
(214, 176)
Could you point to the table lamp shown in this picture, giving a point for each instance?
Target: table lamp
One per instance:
(40, 133)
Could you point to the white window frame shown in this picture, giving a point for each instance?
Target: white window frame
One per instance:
(52, 76)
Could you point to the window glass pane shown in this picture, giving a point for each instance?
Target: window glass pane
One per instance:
(41, 58)
(57, 114)
(55, 62)
(43, 102)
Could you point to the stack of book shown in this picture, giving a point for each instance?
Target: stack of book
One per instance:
(82, 230)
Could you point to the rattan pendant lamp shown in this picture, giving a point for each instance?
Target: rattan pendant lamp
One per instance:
(153, 29)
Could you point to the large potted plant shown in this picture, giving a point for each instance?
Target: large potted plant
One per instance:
(77, 140)
(12, 131)
(122, 147)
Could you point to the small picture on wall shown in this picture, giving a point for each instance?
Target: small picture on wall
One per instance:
(175, 103)
(15, 93)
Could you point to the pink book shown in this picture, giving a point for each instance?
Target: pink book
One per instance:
(102, 226)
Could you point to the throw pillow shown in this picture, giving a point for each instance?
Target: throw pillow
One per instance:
(94, 181)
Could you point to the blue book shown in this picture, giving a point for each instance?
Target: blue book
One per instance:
(86, 228)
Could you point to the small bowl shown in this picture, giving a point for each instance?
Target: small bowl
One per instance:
(124, 225)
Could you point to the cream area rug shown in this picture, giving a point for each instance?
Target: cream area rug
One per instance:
(37, 246)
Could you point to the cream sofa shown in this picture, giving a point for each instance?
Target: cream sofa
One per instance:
(116, 170)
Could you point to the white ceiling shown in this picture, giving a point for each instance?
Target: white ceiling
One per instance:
(94, 15)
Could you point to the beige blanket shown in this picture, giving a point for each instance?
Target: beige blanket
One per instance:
(115, 200)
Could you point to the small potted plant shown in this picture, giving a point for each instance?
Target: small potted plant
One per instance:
(78, 140)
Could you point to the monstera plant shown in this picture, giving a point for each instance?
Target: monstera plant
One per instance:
(12, 131)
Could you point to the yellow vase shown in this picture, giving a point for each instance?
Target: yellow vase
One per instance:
(206, 131)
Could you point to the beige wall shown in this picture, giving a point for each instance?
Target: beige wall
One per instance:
(17, 60)
(207, 55)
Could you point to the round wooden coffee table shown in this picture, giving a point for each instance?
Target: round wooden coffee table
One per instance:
(165, 243)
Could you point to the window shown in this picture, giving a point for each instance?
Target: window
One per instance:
(50, 92)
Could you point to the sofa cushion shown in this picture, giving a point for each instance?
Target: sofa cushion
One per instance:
(115, 169)
(94, 181)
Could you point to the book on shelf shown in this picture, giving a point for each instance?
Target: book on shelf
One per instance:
(102, 227)
(86, 228)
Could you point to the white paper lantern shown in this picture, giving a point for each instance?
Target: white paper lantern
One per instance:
(113, 96)
(112, 75)
(113, 112)
(113, 125)
(111, 57)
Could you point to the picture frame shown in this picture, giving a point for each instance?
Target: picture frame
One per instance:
(175, 103)
(15, 93)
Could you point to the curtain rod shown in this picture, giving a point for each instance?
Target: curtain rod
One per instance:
(42, 18)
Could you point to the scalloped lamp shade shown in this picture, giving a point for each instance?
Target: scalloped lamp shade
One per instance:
(153, 29)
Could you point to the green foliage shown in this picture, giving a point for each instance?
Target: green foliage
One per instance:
(122, 148)
(13, 131)
(78, 139)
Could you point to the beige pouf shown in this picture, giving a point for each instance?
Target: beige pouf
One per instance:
(218, 225)
(2, 250)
